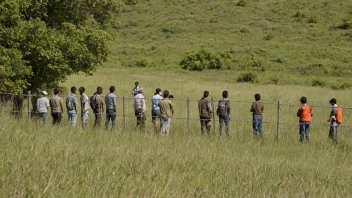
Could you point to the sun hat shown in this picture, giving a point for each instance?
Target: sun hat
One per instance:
(44, 93)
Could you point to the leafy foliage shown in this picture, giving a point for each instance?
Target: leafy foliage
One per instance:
(197, 61)
(248, 77)
(51, 40)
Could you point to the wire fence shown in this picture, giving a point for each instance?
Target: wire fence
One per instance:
(276, 116)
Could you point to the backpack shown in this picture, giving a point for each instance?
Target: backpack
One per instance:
(339, 115)
(93, 102)
(222, 108)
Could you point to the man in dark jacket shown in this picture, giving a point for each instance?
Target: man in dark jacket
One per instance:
(205, 112)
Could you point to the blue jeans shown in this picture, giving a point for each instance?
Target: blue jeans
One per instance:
(333, 131)
(110, 115)
(222, 120)
(72, 117)
(257, 126)
(304, 130)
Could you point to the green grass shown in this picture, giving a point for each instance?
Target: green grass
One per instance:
(69, 162)
(291, 38)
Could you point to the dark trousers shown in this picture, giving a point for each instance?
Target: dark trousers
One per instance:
(56, 118)
(205, 123)
(97, 121)
(226, 120)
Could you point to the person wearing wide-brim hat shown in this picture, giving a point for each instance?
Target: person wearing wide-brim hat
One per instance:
(42, 107)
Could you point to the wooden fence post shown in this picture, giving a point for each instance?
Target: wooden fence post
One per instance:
(124, 112)
(213, 107)
(29, 106)
(188, 117)
(278, 121)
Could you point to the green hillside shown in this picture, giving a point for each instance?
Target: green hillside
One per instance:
(280, 42)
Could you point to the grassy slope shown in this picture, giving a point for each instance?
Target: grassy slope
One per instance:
(161, 32)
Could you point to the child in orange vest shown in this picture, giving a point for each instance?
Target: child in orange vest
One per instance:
(305, 117)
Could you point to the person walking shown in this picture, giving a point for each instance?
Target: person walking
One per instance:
(71, 106)
(305, 117)
(166, 113)
(135, 89)
(257, 109)
(42, 107)
(56, 107)
(223, 111)
(140, 108)
(205, 113)
(155, 107)
(97, 106)
(84, 107)
(110, 102)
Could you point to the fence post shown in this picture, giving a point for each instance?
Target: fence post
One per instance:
(124, 112)
(29, 106)
(213, 115)
(278, 121)
(188, 117)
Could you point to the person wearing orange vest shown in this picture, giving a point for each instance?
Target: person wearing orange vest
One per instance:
(305, 117)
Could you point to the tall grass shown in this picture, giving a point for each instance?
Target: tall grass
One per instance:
(38, 161)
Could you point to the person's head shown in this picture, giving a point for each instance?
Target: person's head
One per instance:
(99, 90)
(56, 91)
(166, 94)
(303, 100)
(141, 91)
(136, 84)
(81, 90)
(73, 89)
(112, 89)
(157, 91)
(205, 94)
(257, 97)
(171, 97)
(333, 101)
(225, 94)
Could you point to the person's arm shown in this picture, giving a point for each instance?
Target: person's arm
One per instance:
(252, 107)
(262, 107)
(144, 105)
(172, 110)
(115, 103)
(62, 107)
(311, 111)
(76, 103)
(299, 112)
(47, 103)
(199, 108)
(228, 107)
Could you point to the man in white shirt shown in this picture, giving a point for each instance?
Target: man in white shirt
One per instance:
(140, 108)
(42, 107)
(84, 107)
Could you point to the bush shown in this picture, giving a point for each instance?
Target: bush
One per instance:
(197, 61)
(130, 2)
(318, 83)
(341, 87)
(247, 77)
(241, 3)
(141, 63)
(347, 24)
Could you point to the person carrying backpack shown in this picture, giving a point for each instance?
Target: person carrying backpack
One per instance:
(205, 113)
(223, 111)
(305, 117)
(335, 120)
(257, 109)
(97, 105)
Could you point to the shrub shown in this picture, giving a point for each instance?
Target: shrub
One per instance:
(197, 61)
(241, 3)
(347, 24)
(130, 2)
(318, 83)
(341, 87)
(247, 77)
(141, 63)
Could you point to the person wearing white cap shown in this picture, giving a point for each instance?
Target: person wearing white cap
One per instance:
(42, 107)
(140, 108)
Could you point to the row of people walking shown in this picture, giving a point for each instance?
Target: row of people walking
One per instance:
(163, 110)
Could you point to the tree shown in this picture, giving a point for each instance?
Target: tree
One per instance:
(44, 41)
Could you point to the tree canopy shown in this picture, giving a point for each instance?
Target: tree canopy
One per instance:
(44, 41)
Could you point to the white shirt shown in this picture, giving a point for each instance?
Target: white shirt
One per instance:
(42, 104)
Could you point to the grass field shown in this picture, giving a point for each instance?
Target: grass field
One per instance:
(69, 162)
